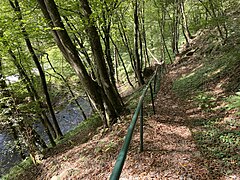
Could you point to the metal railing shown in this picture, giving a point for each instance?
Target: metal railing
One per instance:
(138, 112)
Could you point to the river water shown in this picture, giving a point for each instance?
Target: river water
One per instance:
(67, 118)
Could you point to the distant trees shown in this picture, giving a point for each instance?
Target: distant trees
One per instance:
(137, 45)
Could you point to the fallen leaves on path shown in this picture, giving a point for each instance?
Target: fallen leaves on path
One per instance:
(170, 150)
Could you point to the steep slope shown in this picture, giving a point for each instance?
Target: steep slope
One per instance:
(184, 140)
(192, 136)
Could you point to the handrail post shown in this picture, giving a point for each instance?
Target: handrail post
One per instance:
(153, 106)
(141, 129)
(154, 82)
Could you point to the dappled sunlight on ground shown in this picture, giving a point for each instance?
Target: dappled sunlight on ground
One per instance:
(172, 149)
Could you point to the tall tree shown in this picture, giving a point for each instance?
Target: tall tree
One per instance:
(105, 99)
(17, 9)
(35, 98)
(138, 61)
(186, 31)
(98, 56)
(175, 29)
(32, 92)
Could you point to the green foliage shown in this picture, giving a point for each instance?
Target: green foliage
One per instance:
(216, 142)
(205, 101)
(219, 60)
(85, 128)
(189, 83)
(234, 102)
(157, 14)
(18, 169)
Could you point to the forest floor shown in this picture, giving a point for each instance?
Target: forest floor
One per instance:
(175, 146)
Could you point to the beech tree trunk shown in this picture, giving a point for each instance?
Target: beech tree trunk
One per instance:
(34, 96)
(102, 95)
(68, 86)
(3, 83)
(144, 36)
(126, 43)
(176, 28)
(102, 75)
(79, 41)
(124, 67)
(186, 31)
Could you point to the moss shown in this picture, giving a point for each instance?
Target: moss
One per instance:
(18, 169)
(84, 128)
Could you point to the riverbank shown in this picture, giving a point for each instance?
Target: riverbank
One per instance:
(68, 115)
(80, 134)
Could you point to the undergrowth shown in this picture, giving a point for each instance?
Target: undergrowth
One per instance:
(18, 169)
(131, 101)
(234, 102)
(219, 144)
(218, 133)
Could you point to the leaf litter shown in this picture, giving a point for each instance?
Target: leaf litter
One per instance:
(170, 149)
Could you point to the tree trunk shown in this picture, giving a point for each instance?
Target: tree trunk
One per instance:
(35, 97)
(215, 15)
(186, 31)
(33, 94)
(69, 88)
(106, 38)
(146, 56)
(116, 64)
(126, 43)
(103, 78)
(124, 67)
(94, 91)
(3, 83)
(17, 9)
(176, 28)
(138, 69)
(80, 43)
(161, 24)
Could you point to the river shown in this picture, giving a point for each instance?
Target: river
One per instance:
(68, 118)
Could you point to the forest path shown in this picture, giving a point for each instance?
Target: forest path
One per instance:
(169, 148)
(170, 151)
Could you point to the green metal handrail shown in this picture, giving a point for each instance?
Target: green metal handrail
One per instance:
(139, 110)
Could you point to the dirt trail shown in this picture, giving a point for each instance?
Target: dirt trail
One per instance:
(169, 148)
(170, 151)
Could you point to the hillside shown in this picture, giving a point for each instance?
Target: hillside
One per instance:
(192, 136)
(72, 73)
